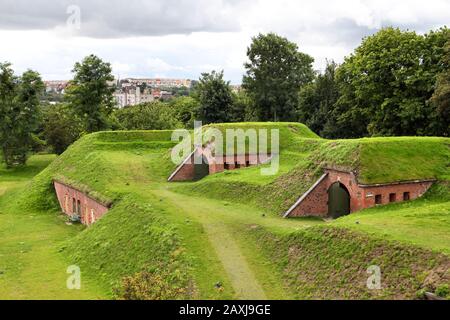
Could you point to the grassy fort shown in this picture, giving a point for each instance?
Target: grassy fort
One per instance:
(169, 237)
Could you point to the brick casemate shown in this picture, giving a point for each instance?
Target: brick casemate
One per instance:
(186, 170)
(74, 202)
(315, 201)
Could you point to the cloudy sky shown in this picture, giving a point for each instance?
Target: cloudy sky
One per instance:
(182, 38)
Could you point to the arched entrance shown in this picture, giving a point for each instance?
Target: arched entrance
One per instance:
(338, 201)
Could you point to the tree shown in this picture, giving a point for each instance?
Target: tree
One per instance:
(385, 86)
(316, 101)
(441, 96)
(185, 110)
(19, 113)
(275, 73)
(242, 108)
(214, 96)
(148, 116)
(61, 127)
(89, 93)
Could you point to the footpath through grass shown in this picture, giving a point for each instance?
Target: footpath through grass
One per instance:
(250, 275)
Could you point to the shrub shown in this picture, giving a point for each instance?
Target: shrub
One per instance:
(157, 284)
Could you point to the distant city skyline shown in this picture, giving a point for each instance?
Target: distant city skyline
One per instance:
(163, 39)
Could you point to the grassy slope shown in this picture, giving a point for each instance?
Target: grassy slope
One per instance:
(302, 161)
(140, 232)
(134, 166)
(331, 263)
(423, 223)
(30, 265)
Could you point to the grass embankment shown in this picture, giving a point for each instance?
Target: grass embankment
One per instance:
(141, 235)
(375, 160)
(30, 265)
(424, 222)
(332, 263)
(223, 237)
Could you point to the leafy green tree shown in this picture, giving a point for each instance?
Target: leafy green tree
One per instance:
(19, 113)
(441, 96)
(90, 94)
(185, 109)
(148, 116)
(61, 127)
(317, 99)
(275, 73)
(8, 89)
(385, 86)
(214, 96)
(242, 108)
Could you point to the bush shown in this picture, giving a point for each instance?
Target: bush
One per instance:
(61, 127)
(148, 116)
(442, 291)
(157, 284)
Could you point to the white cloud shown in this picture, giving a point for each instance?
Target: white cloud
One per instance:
(185, 38)
(159, 65)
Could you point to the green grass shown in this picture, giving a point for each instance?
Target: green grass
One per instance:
(326, 262)
(30, 264)
(139, 233)
(398, 159)
(375, 160)
(424, 222)
(227, 227)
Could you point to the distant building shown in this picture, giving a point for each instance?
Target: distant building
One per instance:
(160, 82)
(58, 86)
(131, 91)
(130, 96)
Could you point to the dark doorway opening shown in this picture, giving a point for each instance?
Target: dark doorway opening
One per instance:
(79, 208)
(338, 201)
(378, 199)
(74, 205)
(392, 197)
(201, 168)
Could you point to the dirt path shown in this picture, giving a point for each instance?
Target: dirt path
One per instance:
(235, 264)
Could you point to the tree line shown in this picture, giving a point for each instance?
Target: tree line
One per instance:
(395, 83)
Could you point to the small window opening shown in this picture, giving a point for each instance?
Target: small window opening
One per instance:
(392, 197)
(79, 207)
(406, 196)
(378, 199)
(74, 205)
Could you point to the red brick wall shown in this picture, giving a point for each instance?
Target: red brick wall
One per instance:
(361, 197)
(91, 210)
(186, 171)
(315, 204)
(415, 190)
(218, 165)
